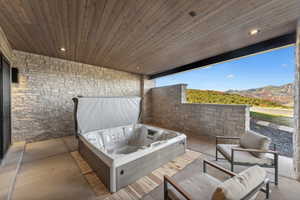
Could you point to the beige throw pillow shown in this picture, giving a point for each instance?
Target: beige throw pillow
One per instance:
(239, 186)
(252, 140)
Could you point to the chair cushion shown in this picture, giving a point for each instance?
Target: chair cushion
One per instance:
(239, 186)
(252, 140)
(199, 186)
(244, 157)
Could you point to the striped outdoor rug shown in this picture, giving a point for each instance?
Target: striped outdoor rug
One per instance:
(142, 186)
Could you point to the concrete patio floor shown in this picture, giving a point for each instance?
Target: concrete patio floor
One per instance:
(46, 170)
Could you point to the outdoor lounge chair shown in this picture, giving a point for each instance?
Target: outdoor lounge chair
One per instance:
(253, 149)
(245, 185)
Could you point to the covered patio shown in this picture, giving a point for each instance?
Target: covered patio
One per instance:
(53, 51)
(49, 170)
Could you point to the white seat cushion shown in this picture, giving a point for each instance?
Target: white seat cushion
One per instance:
(239, 186)
(242, 156)
(199, 186)
(253, 140)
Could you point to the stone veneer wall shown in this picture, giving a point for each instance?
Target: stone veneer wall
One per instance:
(42, 106)
(170, 110)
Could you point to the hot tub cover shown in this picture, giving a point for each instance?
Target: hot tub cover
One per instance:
(96, 113)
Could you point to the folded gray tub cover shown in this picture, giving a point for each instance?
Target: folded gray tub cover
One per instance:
(96, 113)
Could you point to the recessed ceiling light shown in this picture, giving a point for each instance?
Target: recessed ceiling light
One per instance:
(62, 49)
(253, 31)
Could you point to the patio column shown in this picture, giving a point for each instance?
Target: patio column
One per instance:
(146, 86)
(296, 137)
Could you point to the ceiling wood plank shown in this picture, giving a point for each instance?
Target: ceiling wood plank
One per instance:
(233, 33)
(195, 34)
(142, 36)
(267, 45)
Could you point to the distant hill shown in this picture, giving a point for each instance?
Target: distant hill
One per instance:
(281, 94)
(210, 96)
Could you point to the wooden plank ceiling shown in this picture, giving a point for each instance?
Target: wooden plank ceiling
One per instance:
(142, 36)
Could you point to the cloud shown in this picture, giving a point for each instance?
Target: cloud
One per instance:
(284, 65)
(230, 76)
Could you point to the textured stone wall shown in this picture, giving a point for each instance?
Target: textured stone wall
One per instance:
(42, 100)
(5, 47)
(170, 110)
(296, 137)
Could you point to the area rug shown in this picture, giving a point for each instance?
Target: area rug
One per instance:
(142, 186)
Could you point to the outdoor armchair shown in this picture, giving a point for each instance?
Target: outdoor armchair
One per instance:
(252, 149)
(245, 185)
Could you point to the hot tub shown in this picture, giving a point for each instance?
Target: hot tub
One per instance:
(116, 146)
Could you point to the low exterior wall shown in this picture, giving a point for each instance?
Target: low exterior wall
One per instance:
(170, 110)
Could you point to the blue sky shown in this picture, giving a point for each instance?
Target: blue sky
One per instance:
(271, 68)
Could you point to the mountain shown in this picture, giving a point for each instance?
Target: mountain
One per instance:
(280, 94)
(217, 97)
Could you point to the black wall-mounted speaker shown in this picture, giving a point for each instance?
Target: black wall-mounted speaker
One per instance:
(14, 75)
